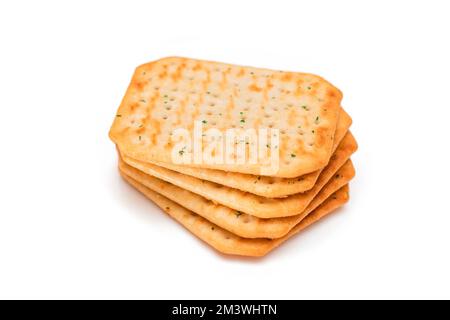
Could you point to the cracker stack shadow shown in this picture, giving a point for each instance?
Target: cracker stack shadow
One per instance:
(234, 208)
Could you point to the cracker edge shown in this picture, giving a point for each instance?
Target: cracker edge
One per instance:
(203, 229)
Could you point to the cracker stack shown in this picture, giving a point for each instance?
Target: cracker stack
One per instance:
(237, 208)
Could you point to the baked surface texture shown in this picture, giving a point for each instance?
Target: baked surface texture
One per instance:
(174, 92)
(269, 187)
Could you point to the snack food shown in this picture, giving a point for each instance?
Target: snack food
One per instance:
(282, 141)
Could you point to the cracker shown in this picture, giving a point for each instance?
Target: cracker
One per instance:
(269, 187)
(173, 92)
(241, 224)
(246, 202)
(227, 242)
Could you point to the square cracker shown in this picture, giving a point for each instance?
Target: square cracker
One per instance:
(246, 202)
(227, 242)
(269, 187)
(174, 92)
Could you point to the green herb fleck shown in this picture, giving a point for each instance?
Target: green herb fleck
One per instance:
(309, 88)
(305, 107)
(293, 155)
(238, 213)
(317, 120)
(118, 116)
(140, 138)
(242, 120)
(204, 121)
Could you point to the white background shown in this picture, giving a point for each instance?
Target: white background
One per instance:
(71, 228)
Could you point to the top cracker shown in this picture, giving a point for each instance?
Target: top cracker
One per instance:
(175, 92)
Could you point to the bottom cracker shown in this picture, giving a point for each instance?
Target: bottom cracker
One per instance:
(227, 242)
